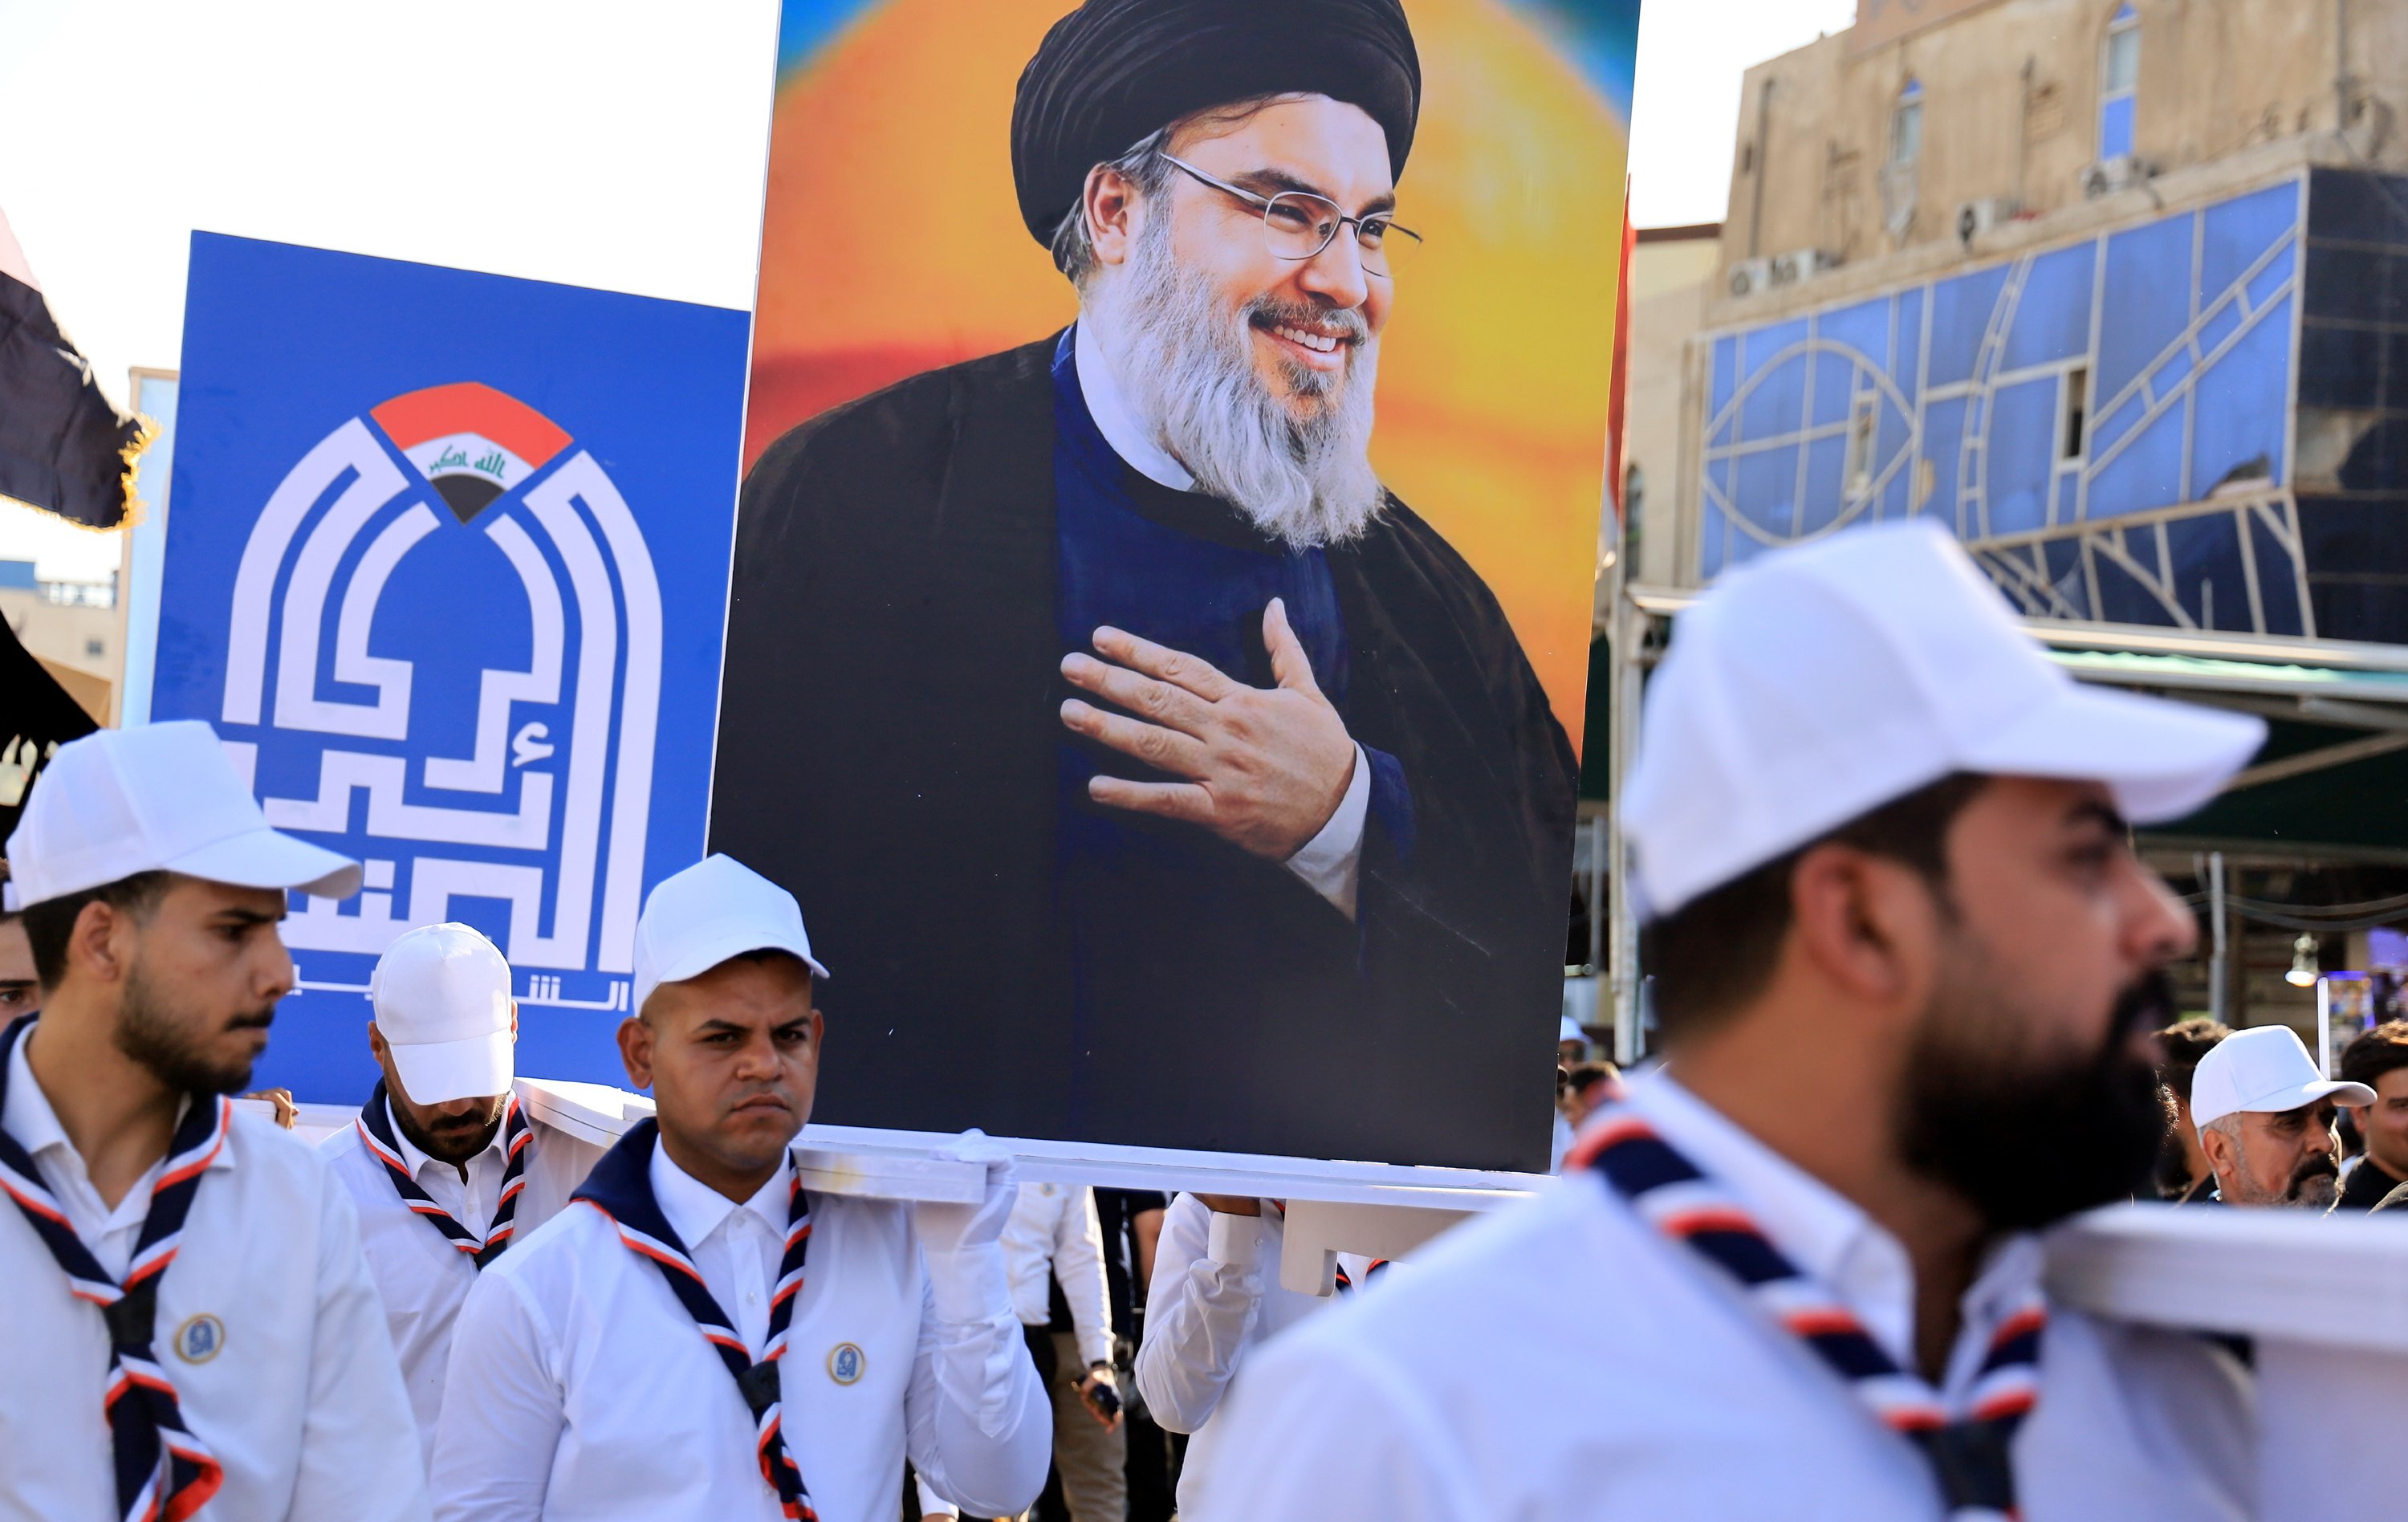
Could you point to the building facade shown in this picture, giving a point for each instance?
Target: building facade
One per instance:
(71, 627)
(2116, 289)
(1673, 272)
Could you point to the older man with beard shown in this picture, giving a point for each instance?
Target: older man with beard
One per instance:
(1171, 775)
(1905, 984)
(2264, 1118)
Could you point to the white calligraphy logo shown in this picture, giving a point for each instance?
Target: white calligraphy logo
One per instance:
(575, 829)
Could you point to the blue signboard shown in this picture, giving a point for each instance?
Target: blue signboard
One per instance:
(2106, 424)
(448, 570)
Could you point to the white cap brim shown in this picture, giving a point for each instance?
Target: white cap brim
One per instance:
(266, 858)
(2161, 760)
(700, 959)
(438, 1072)
(2291, 1097)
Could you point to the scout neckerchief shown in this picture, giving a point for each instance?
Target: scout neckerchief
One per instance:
(376, 1134)
(621, 1187)
(1344, 1284)
(163, 1471)
(1968, 1451)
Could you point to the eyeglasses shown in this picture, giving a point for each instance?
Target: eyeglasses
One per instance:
(1298, 225)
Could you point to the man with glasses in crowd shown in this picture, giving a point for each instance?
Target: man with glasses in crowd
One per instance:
(1128, 612)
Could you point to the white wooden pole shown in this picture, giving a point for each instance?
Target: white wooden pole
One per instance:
(2218, 974)
(2324, 1025)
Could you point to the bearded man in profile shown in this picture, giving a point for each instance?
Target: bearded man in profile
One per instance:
(1182, 787)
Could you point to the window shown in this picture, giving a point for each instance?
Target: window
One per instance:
(1906, 124)
(95, 648)
(2073, 438)
(1634, 504)
(2119, 82)
(1861, 422)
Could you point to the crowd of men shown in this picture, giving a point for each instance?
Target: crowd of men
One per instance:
(2254, 1122)
(432, 1314)
(416, 1318)
(1905, 1025)
(1909, 975)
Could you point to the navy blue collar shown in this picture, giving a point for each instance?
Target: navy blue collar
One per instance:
(1084, 447)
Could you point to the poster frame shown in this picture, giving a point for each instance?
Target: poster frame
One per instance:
(1135, 1166)
(142, 553)
(889, 1164)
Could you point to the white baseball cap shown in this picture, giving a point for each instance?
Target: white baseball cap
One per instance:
(716, 909)
(1569, 1031)
(2264, 1069)
(157, 796)
(442, 999)
(1817, 684)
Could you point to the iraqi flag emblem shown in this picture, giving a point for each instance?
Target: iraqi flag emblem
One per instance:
(447, 607)
(472, 442)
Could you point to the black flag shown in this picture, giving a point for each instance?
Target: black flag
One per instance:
(63, 446)
(36, 717)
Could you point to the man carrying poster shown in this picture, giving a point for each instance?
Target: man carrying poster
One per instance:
(1127, 707)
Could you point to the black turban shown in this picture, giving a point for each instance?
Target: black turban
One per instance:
(1112, 71)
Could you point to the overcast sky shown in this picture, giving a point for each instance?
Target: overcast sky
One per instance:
(608, 143)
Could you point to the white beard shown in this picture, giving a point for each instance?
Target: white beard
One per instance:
(1188, 368)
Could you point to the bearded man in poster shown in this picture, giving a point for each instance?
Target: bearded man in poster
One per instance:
(1186, 788)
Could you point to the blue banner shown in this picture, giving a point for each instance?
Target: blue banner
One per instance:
(447, 570)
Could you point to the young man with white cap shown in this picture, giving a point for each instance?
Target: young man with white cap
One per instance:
(442, 1161)
(1906, 962)
(21, 992)
(188, 1320)
(699, 1337)
(2264, 1118)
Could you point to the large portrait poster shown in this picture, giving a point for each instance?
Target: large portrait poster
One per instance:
(448, 570)
(1175, 448)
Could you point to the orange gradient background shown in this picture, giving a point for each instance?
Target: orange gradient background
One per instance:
(893, 244)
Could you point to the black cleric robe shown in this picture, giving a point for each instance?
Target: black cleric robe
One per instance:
(891, 750)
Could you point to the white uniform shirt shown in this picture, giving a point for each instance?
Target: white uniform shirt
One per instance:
(581, 1389)
(1563, 1360)
(420, 1277)
(1332, 861)
(1055, 1228)
(267, 1326)
(1215, 1292)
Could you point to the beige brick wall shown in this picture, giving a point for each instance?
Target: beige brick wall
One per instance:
(64, 635)
(2011, 110)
